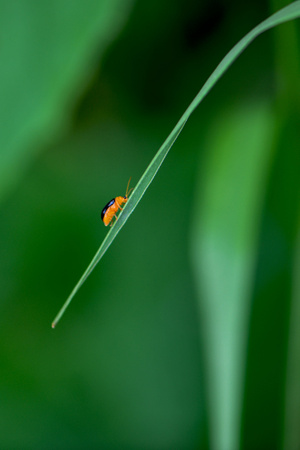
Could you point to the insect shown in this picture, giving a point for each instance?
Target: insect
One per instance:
(109, 211)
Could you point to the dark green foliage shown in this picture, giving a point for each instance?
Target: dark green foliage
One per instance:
(186, 336)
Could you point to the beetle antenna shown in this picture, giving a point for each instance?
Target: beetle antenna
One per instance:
(128, 191)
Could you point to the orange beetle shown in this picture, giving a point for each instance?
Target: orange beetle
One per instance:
(109, 211)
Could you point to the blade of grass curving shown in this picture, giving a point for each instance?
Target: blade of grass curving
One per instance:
(290, 12)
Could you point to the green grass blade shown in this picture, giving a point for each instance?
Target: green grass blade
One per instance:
(290, 12)
(224, 240)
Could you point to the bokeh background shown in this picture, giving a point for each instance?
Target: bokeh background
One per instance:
(186, 335)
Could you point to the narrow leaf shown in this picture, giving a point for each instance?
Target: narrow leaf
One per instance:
(224, 243)
(290, 12)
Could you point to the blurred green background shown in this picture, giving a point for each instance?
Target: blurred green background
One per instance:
(186, 335)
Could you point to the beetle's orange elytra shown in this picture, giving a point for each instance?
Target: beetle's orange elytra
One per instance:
(110, 210)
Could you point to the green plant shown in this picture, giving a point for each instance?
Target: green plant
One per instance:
(290, 12)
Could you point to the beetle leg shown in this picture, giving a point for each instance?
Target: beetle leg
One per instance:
(112, 220)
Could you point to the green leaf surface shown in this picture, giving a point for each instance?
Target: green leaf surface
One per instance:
(292, 399)
(270, 377)
(48, 50)
(290, 12)
(224, 242)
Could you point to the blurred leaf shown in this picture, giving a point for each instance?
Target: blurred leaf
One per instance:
(292, 400)
(287, 57)
(290, 12)
(48, 50)
(223, 251)
(270, 341)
